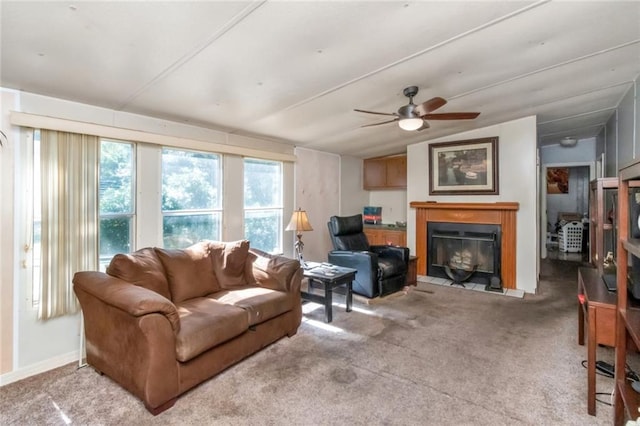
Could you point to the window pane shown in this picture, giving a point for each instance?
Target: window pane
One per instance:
(181, 231)
(262, 183)
(116, 182)
(115, 237)
(263, 228)
(190, 180)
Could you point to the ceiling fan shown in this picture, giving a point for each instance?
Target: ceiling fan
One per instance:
(414, 117)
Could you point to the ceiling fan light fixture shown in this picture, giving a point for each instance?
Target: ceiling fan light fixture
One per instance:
(410, 124)
(568, 142)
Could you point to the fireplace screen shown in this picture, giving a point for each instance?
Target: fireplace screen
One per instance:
(466, 252)
(469, 251)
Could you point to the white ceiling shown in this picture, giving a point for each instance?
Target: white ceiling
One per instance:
(294, 71)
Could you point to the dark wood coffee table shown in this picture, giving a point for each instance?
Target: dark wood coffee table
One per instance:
(328, 277)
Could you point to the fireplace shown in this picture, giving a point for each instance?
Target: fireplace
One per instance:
(472, 249)
(502, 214)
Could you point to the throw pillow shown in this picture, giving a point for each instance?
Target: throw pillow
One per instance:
(189, 271)
(229, 260)
(141, 268)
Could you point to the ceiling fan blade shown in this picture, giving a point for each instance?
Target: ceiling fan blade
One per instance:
(383, 122)
(430, 105)
(374, 112)
(451, 116)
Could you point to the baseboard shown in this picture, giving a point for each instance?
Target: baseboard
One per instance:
(37, 368)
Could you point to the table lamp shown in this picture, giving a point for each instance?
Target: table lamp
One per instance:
(299, 222)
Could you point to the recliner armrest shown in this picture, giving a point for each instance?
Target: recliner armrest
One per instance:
(401, 253)
(132, 299)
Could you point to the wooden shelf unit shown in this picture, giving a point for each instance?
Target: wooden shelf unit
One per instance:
(627, 401)
(599, 226)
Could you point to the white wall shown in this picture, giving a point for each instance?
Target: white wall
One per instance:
(583, 152)
(393, 203)
(517, 183)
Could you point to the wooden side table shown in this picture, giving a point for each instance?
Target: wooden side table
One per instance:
(597, 306)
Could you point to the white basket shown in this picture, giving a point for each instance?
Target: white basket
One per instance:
(570, 237)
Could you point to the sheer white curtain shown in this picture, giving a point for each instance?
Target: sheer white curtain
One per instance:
(69, 165)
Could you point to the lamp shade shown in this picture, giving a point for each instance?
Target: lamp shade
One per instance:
(410, 123)
(299, 222)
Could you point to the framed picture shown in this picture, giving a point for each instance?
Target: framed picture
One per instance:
(557, 180)
(468, 167)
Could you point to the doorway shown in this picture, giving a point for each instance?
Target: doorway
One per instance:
(564, 205)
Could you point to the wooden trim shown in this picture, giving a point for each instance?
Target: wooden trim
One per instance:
(222, 145)
(503, 214)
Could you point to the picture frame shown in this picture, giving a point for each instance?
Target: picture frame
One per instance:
(557, 180)
(466, 167)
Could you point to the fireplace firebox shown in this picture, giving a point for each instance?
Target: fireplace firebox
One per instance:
(464, 251)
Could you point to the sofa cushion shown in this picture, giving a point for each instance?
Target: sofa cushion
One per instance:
(229, 259)
(205, 323)
(189, 271)
(261, 304)
(141, 268)
(271, 271)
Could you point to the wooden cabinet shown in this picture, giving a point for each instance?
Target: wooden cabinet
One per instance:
(601, 229)
(385, 172)
(597, 307)
(385, 236)
(626, 401)
(412, 273)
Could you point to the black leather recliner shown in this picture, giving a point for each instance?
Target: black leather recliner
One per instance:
(381, 269)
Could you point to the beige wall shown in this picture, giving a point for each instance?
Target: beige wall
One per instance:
(317, 190)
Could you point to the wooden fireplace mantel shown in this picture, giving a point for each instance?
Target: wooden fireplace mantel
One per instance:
(500, 213)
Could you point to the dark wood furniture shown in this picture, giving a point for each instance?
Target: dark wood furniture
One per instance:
(385, 172)
(328, 277)
(596, 306)
(626, 401)
(600, 228)
(412, 273)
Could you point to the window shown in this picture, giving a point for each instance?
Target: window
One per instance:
(263, 204)
(191, 197)
(117, 201)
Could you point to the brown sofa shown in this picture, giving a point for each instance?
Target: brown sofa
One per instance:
(159, 322)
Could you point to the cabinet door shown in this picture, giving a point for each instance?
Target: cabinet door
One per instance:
(397, 172)
(374, 173)
(394, 238)
(374, 236)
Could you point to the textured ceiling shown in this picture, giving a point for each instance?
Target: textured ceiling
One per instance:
(294, 71)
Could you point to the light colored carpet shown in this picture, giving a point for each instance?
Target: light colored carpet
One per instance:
(434, 356)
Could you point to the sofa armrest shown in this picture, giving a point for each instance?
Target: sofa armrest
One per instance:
(274, 271)
(134, 300)
(130, 336)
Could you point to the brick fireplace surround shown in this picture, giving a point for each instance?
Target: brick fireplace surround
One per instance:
(503, 214)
